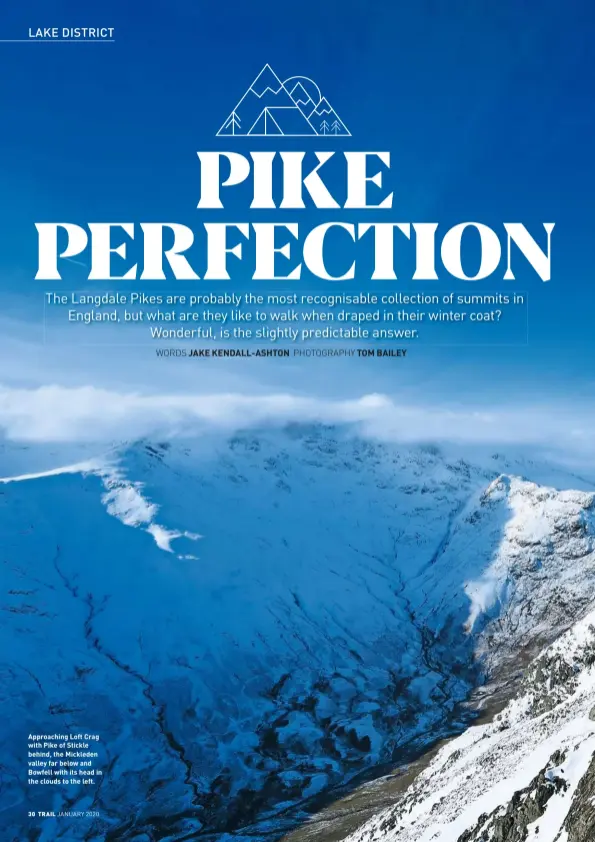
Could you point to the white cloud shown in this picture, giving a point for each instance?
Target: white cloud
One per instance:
(88, 414)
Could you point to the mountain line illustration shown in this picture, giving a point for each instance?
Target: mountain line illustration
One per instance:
(293, 108)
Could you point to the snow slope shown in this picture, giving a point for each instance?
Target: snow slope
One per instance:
(251, 621)
(529, 775)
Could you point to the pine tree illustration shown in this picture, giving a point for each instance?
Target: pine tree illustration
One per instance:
(235, 122)
(336, 128)
(324, 129)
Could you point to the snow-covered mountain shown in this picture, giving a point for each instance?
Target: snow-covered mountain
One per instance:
(250, 622)
(528, 775)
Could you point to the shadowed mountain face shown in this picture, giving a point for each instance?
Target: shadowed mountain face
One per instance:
(248, 623)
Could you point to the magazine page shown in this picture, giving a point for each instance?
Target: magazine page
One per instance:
(297, 469)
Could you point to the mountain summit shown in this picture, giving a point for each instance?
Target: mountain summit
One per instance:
(300, 95)
(267, 80)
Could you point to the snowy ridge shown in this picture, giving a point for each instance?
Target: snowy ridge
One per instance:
(519, 777)
(535, 546)
(123, 499)
(346, 597)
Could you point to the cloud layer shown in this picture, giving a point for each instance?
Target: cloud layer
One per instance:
(54, 414)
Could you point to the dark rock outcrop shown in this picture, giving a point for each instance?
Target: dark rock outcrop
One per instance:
(526, 806)
(580, 821)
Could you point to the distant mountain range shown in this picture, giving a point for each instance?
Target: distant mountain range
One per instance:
(273, 107)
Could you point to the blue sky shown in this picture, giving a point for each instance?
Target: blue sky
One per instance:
(486, 108)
